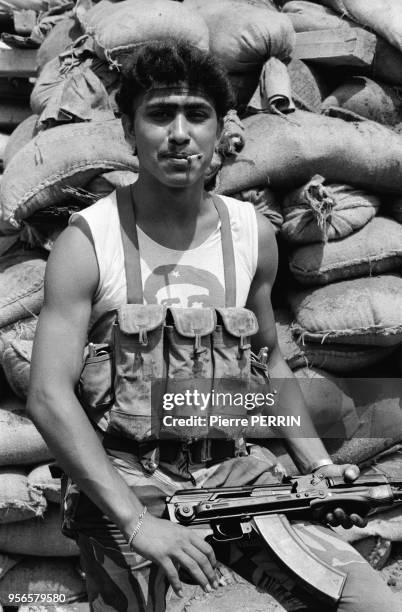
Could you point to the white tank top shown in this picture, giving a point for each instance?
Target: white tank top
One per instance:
(191, 278)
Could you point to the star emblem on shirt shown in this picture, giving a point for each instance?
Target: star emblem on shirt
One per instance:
(176, 274)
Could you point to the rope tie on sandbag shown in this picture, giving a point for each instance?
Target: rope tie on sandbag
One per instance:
(113, 63)
(74, 54)
(232, 140)
(37, 154)
(273, 110)
(318, 198)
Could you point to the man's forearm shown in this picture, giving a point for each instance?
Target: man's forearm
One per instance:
(303, 442)
(79, 452)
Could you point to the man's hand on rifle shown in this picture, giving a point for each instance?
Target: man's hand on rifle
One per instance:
(172, 546)
(339, 516)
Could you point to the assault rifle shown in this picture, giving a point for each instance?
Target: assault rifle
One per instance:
(233, 512)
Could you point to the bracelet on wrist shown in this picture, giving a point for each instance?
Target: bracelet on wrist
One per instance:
(137, 527)
(313, 467)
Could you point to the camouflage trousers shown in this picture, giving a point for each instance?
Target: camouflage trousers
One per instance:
(120, 580)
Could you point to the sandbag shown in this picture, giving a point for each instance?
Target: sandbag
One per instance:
(244, 85)
(20, 441)
(358, 311)
(7, 241)
(65, 156)
(16, 363)
(332, 411)
(21, 284)
(342, 359)
(386, 60)
(119, 28)
(380, 430)
(396, 209)
(336, 358)
(318, 212)
(374, 249)
(286, 152)
(17, 501)
(27, 5)
(307, 16)
(39, 536)
(6, 563)
(387, 524)
(55, 576)
(22, 134)
(107, 182)
(42, 479)
(4, 138)
(64, 96)
(265, 201)
(369, 99)
(62, 36)
(383, 17)
(22, 330)
(243, 36)
(310, 85)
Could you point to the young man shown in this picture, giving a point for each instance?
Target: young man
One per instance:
(173, 99)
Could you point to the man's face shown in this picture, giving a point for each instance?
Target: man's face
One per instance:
(175, 132)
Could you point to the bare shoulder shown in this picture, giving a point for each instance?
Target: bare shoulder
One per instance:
(267, 248)
(72, 268)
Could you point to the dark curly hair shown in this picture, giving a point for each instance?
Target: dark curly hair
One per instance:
(170, 62)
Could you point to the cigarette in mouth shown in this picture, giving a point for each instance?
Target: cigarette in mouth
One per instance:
(192, 158)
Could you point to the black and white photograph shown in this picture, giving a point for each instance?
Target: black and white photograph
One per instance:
(200, 306)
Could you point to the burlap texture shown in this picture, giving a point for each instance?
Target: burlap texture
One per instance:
(21, 284)
(243, 36)
(17, 501)
(361, 311)
(318, 212)
(48, 575)
(65, 156)
(40, 537)
(20, 441)
(286, 152)
(120, 28)
(374, 249)
(16, 363)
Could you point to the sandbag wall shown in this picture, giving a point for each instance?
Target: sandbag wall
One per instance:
(34, 556)
(318, 151)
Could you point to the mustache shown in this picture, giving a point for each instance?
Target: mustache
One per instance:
(183, 155)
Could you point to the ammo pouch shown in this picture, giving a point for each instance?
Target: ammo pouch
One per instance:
(140, 353)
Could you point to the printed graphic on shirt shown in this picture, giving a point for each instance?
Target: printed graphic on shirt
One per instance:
(184, 287)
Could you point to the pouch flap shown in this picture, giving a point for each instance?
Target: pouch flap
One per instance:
(192, 322)
(136, 318)
(239, 321)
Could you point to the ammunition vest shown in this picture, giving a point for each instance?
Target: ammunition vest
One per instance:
(138, 355)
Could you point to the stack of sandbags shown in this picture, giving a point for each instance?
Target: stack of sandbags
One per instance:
(35, 556)
(63, 157)
(81, 82)
(32, 550)
(370, 99)
(336, 236)
(65, 146)
(285, 152)
(21, 297)
(33, 20)
(383, 17)
(254, 42)
(381, 59)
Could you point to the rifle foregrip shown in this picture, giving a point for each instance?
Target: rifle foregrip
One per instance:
(354, 500)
